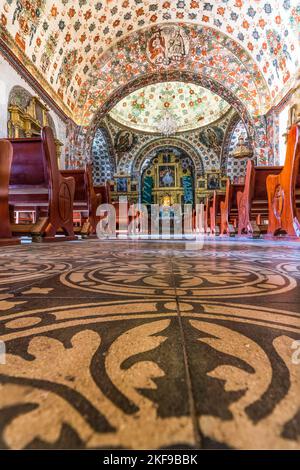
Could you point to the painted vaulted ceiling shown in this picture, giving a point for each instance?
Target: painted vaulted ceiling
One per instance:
(191, 106)
(86, 53)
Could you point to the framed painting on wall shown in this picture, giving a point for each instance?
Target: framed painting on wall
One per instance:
(167, 176)
(122, 185)
(213, 181)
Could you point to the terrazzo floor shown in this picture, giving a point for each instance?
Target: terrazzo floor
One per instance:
(150, 344)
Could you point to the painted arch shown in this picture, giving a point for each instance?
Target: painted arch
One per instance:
(183, 76)
(211, 55)
(161, 143)
(62, 41)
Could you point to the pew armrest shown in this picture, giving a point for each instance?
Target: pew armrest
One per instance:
(99, 199)
(66, 197)
(70, 182)
(224, 209)
(281, 189)
(6, 153)
(62, 191)
(276, 201)
(244, 204)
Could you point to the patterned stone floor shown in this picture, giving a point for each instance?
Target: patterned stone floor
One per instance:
(150, 345)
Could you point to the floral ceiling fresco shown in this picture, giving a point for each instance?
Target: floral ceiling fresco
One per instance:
(253, 47)
(190, 105)
(211, 56)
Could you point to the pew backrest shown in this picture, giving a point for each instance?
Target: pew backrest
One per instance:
(34, 173)
(260, 187)
(235, 192)
(81, 192)
(105, 192)
(29, 165)
(255, 181)
(6, 153)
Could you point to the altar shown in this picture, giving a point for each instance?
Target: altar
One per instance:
(169, 179)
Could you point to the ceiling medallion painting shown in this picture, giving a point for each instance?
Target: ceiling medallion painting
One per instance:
(191, 106)
(124, 141)
(168, 46)
(212, 137)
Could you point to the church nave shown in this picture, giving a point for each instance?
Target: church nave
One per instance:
(149, 232)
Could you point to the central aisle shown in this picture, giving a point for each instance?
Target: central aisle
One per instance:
(150, 345)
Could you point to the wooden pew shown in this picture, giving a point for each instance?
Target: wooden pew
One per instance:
(122, 217)
(37, 185)
(207, 206)
(6, 153)
(105, 192)
(253, 206)
(229, 208)
(215, 213)
(284, 191)
(86, 200)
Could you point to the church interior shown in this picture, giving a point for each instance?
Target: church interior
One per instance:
(133, 113)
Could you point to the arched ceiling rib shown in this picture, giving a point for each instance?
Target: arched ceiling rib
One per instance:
(68, 43)
(138, 83)
(210, 54)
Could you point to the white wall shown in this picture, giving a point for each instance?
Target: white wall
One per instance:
(10, 78)
(61, 130)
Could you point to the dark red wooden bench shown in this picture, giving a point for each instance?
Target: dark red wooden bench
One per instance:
(253, 203)
(6, 153)
(207, 206)
(86, 200)
(284, 191)
(37, 185)
(229, 208)
(215, 213)
(105, 192)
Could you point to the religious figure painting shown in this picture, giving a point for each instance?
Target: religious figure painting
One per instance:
(212, 181)
(166, 176)
(124, 141)
(212, 137)
(122, 185)
(168, 45)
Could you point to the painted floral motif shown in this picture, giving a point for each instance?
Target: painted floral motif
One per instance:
(265, 35)
(205, 158)
(211, 55)
(27, 14)
(191, 105)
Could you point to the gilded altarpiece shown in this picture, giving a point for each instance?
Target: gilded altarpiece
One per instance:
(27, 115)
(168, 180)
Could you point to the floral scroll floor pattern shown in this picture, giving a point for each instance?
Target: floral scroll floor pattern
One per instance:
(150, 345)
